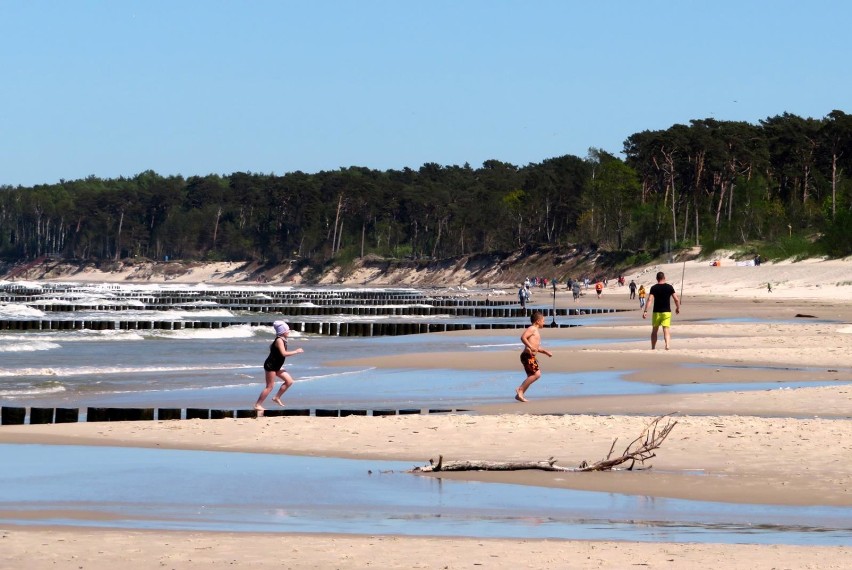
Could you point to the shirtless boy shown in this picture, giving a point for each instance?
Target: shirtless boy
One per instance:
(532, 345)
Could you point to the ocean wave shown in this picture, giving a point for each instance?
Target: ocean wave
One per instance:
(13, 285)
(118, 335)
(30, 392)
(15, 310)
(106, 370)
(346, 318)
(201, 313)
(87, 301)
(254, 380)
(501, 345)
(81, 335)
(235, 331)
(28, 346)
(143, 315)
(267, 332)
(332, 375)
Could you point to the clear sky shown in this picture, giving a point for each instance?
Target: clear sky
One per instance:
(114, 87)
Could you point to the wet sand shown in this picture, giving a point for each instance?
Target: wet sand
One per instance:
(94, 549)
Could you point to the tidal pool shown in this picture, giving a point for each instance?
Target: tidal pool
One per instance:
(224, 491)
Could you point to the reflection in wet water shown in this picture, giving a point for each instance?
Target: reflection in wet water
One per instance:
(196, 490)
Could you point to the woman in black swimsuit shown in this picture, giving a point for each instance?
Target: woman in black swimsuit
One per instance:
(274, 365)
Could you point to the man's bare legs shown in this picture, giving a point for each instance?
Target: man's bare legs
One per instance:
(667, 337)
(286, 382)
(521, 390)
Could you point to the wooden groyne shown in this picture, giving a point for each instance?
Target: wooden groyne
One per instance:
(68, 298)
(483, 311)
(12, 415)
(336, 312)
(327, 328)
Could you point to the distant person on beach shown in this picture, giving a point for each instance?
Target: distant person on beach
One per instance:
(642, 294)
(599, 288)
(632, 288)
(532, 345)
(274, 365)
(660, 297)
(523, 296)
(575, 291)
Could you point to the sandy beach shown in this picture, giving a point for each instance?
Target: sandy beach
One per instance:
(787, 445)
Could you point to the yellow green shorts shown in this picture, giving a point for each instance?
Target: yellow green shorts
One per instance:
(661, 319)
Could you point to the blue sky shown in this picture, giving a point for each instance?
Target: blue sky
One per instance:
(112, 88)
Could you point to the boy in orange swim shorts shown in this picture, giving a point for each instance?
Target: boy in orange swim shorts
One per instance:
(532, 345)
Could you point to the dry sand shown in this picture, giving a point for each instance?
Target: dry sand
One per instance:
(42, 549)
(780, 446)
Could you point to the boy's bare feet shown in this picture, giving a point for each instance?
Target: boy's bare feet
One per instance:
(278, 401)
(258, 407)
(519, 396)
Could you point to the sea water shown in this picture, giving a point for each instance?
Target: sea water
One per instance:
(225, 491)
(222, 367)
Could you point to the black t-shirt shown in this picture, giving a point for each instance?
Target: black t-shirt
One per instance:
(662, 293)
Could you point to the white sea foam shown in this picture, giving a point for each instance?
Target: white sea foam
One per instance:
(205, 313)
(86, 301)
(340, 318)
(235, 331)
(27, 346)
(143, 315)
(17, 285)
(82, 335)
(15, 310)
(501, 345)
(95, 370)
(252, 380)
(269, 333)
(31, 391)
(332, 375)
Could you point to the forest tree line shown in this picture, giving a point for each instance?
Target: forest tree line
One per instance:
(710, 183)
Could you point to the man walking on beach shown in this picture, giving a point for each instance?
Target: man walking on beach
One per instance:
(575, 291)
(660, 297)
(532, 345)
(523, 296)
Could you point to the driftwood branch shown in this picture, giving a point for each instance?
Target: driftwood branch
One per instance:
(639, 450)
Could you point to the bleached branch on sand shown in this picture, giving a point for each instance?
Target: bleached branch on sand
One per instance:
(639, 450)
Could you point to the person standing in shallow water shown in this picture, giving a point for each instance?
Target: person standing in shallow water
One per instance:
(660, 297)
(274, 365)
(532, 345)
